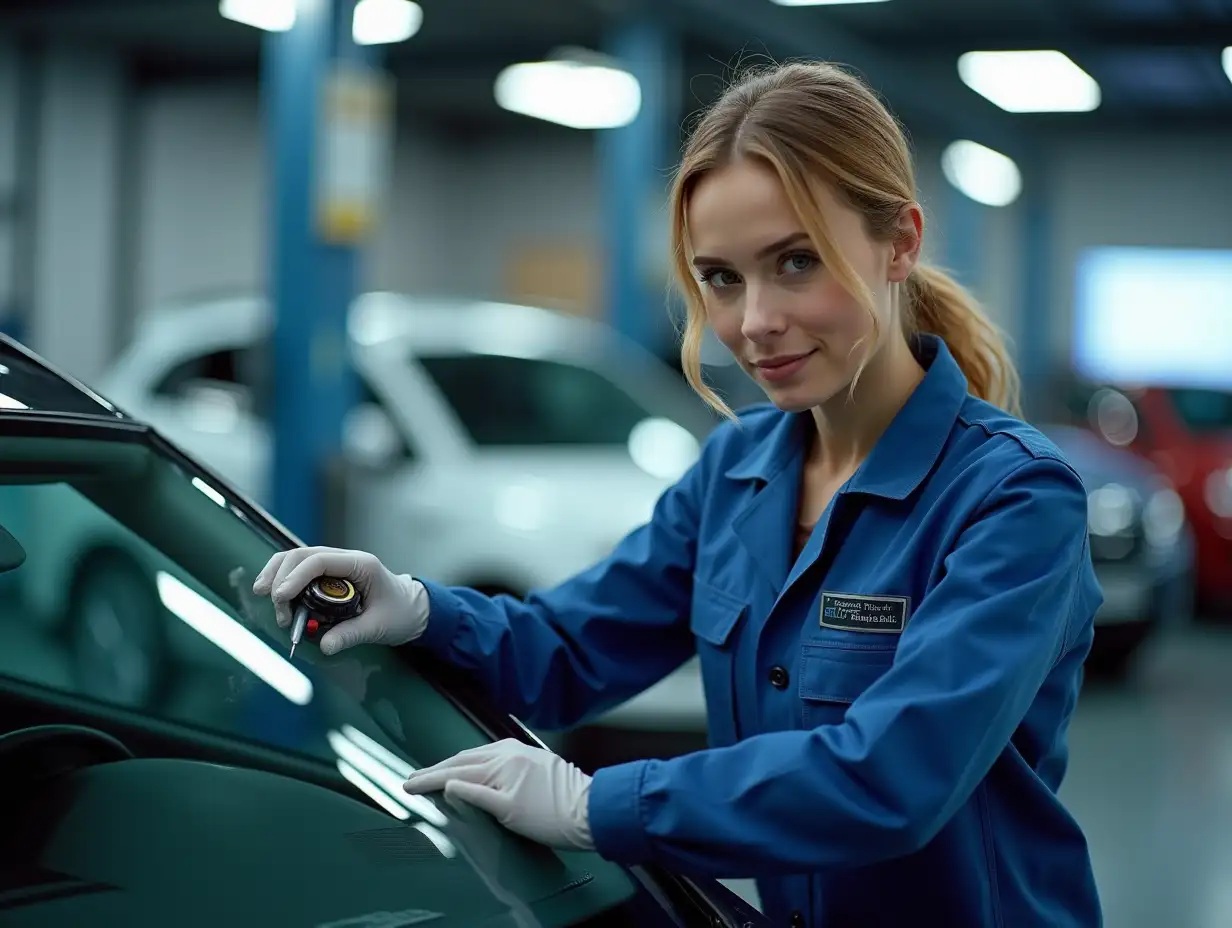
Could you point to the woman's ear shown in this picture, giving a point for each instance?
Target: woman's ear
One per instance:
(908, 237)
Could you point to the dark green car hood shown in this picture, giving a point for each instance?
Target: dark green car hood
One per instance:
(189, 843)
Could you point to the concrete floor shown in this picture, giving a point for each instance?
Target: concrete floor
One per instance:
(1150, 780)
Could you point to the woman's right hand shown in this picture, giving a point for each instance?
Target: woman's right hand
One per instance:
(395, 607)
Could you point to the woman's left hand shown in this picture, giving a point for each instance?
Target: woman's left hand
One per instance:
(533, 792)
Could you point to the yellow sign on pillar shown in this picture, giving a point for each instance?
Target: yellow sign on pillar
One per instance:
(354, 152)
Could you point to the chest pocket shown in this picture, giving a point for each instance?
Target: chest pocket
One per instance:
(834, 675)
(713, 620)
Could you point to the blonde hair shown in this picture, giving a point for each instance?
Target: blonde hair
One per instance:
(813, 124)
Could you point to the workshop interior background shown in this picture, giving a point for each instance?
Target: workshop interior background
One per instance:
(164, 185)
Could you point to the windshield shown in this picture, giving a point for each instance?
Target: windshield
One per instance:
(1203, 410)
(509, 400)
(135, 591)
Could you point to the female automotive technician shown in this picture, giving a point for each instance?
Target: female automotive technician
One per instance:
(886, 576)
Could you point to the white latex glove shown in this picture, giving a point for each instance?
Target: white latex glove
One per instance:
(533, 792)
(395, 606)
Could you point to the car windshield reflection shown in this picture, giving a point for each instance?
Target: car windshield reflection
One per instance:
(136, 591)
(129, 586)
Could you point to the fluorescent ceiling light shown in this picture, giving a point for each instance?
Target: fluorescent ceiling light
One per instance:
(570, 93)
(982, 174)
(270, 15)
(1227, 62)
(1030, 81)
(203, 617)
(381, 22)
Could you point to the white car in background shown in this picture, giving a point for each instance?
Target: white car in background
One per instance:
(495, 446)
(503, 447)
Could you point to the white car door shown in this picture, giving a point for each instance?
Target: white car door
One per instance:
(397, 510)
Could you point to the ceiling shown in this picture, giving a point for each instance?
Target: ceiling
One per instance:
(1152, 58)
(1157, 61)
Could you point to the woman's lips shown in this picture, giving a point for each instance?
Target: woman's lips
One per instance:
(783, 367)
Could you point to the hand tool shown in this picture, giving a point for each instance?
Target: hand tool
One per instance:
(325, 602)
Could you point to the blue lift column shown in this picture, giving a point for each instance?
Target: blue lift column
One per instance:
(635, 165)
(313, 280)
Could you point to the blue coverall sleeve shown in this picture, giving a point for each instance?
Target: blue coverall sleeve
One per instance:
(595, 640)
(913, 747)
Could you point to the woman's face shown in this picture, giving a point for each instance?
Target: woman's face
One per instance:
(767, 295)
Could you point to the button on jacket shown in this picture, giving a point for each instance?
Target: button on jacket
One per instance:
(887, 711)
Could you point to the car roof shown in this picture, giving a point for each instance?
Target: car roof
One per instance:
(29, 382)
(426, 324)
(448, 323)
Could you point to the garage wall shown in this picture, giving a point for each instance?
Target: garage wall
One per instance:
(524, 195)
(452, 214)
(994, 277)
(457, 214)
(62, 199)
(78, 207)
(199, 208)
(1136, 190)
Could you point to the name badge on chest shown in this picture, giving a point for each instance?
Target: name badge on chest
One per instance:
(856, 612)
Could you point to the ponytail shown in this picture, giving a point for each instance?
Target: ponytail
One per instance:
(938, 305)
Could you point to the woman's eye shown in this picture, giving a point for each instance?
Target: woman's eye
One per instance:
(719, 277)
(798, 263)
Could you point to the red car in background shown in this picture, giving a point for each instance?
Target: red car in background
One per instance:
(1186, 432)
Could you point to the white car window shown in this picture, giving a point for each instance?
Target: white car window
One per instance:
(247, 374)
(531, 401)
(242, 371)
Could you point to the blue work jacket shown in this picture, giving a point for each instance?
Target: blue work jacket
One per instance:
(887, 711)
